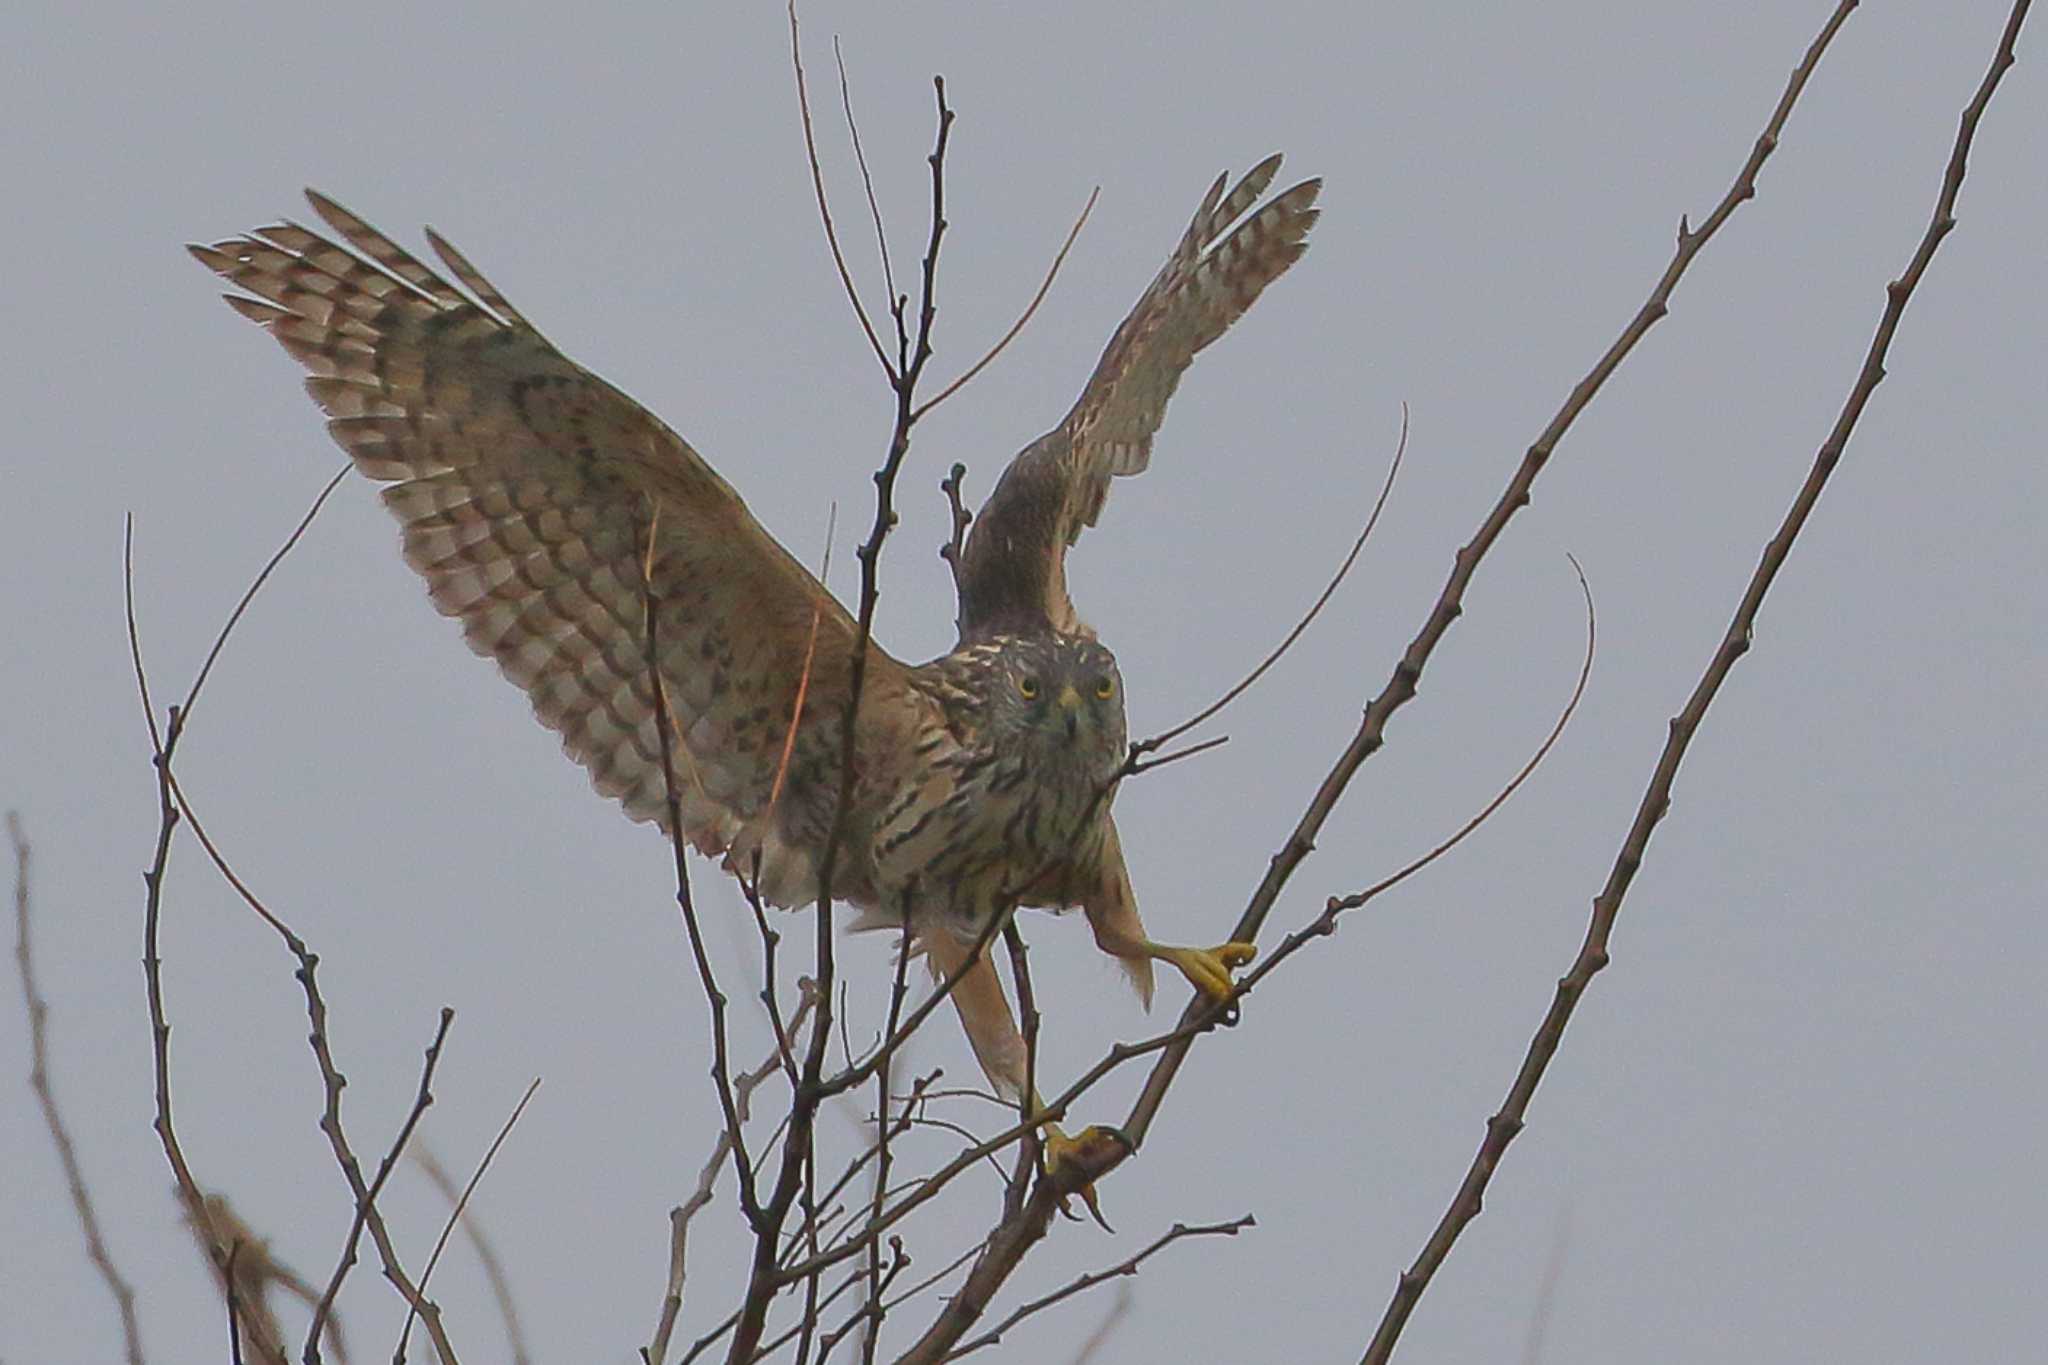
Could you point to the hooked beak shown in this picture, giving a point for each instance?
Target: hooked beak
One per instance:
(1070, 704)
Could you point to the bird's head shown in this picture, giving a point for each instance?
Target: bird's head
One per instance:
(1062, 696)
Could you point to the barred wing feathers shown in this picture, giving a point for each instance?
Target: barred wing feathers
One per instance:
(533, 497)
(1014, 567)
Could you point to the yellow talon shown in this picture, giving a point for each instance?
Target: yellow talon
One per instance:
(1208, 969)
(1072, 1163)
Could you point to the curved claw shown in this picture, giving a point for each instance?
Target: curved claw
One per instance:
(1072, 1163)
(1208, 969)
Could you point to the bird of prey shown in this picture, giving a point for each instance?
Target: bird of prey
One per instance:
(551, 515)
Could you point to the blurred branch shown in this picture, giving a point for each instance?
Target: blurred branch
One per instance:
(1106, 1329)
(247, 1273)
(707, 1178)
(1450, 600)
(46, 1099)
(1505, 1124)
(459, 1213)
(486, 1254)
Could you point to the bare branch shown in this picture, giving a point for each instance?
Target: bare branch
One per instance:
(162, 744)
(366, 1198)
(707, 1179)
(332, 1081)
(1502, 1128)
(803, 101)
(256, 585)
(457, 1214)
(486, 1254)
(1450, 601)
(669, 736)
(1128, 1266)
(765, 1279)
(46, 1098)
(956, 543)
(1159, 741)
(1325, 924)
(1044, 287)
(867, 181)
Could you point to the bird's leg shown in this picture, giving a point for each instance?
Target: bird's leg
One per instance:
(1113, 914)
(1071, 1163)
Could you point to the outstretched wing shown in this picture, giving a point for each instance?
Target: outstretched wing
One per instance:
(536, 501)
(1013, 571)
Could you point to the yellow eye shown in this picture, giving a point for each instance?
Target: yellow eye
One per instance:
(1105, 688)
(1027, 687)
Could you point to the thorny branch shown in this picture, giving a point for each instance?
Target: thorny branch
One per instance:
(1505, 1124)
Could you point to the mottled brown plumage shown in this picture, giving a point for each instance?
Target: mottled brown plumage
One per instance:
(544, 508)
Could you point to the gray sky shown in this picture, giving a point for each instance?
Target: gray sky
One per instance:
(1799, 1117)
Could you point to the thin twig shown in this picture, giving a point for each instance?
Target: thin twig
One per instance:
(1044, 287)
(1507, 1122)
(256, 585)
(1325, 924)
(765, 1278)
(366, 1199)
(669, 737)
(332, 1081)
(884, 1073)
(1449, 604)
(803, 100)
(455, 1215)
(162, 744)
(899, 1261)
(1159, 741)
(486, 1254)
(46, 1097)
(867, 181)
(1128, 1266)
(707, 1179)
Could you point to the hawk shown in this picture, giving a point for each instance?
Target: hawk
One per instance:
(550, 514)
